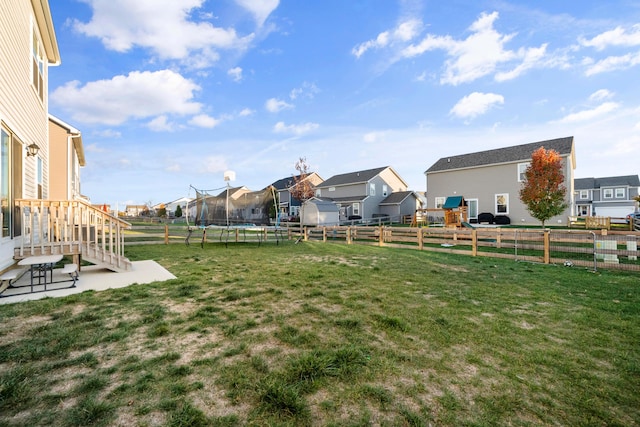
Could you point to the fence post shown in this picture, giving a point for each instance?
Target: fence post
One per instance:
(420, 239)
(474, 242)
(547, 255)
(348, 235)
(381, 236)
(324, 234)
(166, 234)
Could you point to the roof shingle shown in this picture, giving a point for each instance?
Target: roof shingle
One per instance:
(564, 146)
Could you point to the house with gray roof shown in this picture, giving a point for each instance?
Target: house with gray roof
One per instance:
(359, 194)
(289, 206)
(611, 196)
(490, 180)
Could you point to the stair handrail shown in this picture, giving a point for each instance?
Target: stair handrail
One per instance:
(62, 226)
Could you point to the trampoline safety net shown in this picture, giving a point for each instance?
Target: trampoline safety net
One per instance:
(234, 206)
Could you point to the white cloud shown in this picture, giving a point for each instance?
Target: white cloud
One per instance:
(616, 37)
(235, 73)
(214, 165)
(163, 26)
(530, 58)
(404, 32)
(601, 94)
(371, 137)
(136, 95)
(109, 133)
(307, 90)
(613, 63)
(591, 114)
(274, 105)
(476, 104)
(300, 129)
(204, 121)
(260, 9)
(161, 124)
(481, 53)
(245, 112)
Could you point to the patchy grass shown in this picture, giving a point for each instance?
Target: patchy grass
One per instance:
(325, 334)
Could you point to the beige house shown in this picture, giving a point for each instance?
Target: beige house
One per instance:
(66, 158)
(490, 181)
(40, 156)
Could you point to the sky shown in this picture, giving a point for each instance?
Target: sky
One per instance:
(171, 94)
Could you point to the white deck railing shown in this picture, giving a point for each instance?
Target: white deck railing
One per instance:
(68, 227)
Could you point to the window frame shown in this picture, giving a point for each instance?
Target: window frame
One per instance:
(439, 202)
(38, 65)
(607, 193)
(522, 168)
(372, 189)
(619, 193)
(584, 194)
(505, 203)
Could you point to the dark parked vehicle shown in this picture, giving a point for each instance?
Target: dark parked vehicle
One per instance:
(633, 217)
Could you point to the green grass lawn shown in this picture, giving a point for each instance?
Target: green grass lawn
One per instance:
(331, 335)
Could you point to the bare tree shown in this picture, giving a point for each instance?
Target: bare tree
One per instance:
(302, 188)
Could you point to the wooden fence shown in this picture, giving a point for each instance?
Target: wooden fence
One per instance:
(581, 248)
(592, 249)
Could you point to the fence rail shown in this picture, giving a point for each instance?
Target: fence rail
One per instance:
(596, 249)
(587, 248)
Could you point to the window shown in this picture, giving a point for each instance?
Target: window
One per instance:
(4, 195)
(440, 202)
(472, 208)
(11, 151)
(332, 188)
(620, 193)
(317, 192)
(372, 189)
(522, 168)
(584, 194)
(40, 180)
(502, 204)
(607, 193)
(385, 190)
(37, 64)
(355, 209)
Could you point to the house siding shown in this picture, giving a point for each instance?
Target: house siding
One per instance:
(484, 183)
(22, 113)
(21, 109)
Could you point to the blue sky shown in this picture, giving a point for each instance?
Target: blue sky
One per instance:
(173, 93)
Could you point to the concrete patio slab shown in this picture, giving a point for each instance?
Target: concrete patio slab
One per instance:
(91, 278)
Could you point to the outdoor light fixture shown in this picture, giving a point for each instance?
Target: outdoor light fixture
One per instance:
(32, 149)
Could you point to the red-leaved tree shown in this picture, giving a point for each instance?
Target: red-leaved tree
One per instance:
(543, 191)
(302, 188)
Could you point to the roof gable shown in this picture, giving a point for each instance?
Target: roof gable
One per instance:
(353, 177)
(564, 146)
(610, 181)
(397, 197)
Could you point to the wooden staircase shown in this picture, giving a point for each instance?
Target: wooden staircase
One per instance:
(71, 227)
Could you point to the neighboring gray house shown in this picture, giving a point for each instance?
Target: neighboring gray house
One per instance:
(400, 204)
(359, 194)
(289, 205)
(610, 196)
(320, 212)
(490, 181)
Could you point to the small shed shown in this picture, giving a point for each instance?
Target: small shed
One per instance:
(318, 212)
(455, 211)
